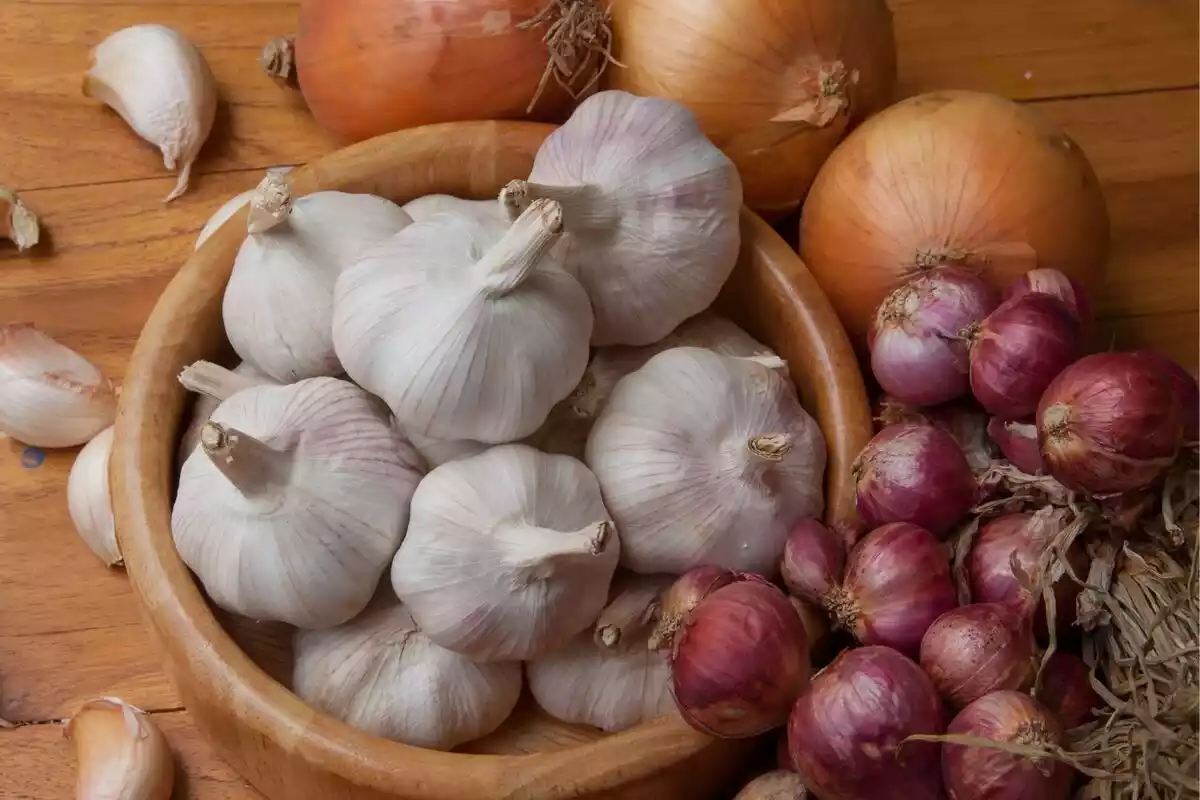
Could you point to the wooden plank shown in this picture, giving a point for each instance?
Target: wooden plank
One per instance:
(37, 763)
(1034, 49)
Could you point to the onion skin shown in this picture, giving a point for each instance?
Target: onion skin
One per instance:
(897, 583)
(1018, 442)
(813, 561)
(752, 75)
(845, 732)
(981, 773)
(950, 177)
(1066, 690)
(962, 420)
(977, 649)
(1022, 346)
(740, 661)
(368, 67)
(1024, 537)
(917, 354)
(683, 596)
(1056, 284)
(1186, 389)
(914, 473)
(1109, 424)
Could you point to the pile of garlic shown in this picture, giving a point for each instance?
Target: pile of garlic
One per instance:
(519, 411)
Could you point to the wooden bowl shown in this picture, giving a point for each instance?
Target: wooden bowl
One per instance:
(290, 751)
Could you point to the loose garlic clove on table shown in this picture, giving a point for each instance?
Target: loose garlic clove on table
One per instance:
(17, 223)
(89, 501)
(120, 753)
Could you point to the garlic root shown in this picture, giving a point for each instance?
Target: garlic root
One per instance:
(278, 61)
(17, 223)
(120, 753)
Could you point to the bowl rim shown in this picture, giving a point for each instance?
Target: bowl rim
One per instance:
(209, 665)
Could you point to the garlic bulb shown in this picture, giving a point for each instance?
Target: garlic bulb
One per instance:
(466, 327)
(382, 675)
(20, 225)
(244, 376)
(706, 459)
(440, 451)
(50, 396)
(508, 554)
(121, 754)
(295, 502)
(607, 677)
(278, 306)
(88, 499)
(229, 208)
(650, 207)
(162, 87)
(422, 208)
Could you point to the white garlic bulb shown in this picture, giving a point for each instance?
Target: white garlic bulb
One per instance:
(466, 327)
(706, 459)
(88, 500)
(441, 451)
(278, 305)
(207, 403)
(229, 208)
(508, 554)
(423, 208)
(162, 87)
(382, 675)
(650, 207)
(295, 502)
(607, 676)
(50, 396)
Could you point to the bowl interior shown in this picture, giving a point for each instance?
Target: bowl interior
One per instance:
(233, 670)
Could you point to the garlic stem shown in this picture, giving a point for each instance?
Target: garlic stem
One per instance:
(771, 447)
(629, 613)
(17, 223)
(544, 551)
(278, 61)
(120, 753)
(270, 203)
(585, 206)
(213, 380)
(510, 261)
(254, 468)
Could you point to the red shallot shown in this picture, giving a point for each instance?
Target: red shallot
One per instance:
(973, 650)
(1066, 689)
(986, 773)
(1018, 442)
(1186, 389)
(813, 561)
(1109, 424)
(914, 473)
(683, 596)
(917, 354)
(740, 661)
(1018, 349)
(1055, 284)
(846, 733)
(962, 420)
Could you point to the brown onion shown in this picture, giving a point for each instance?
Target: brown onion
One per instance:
(1055, 284)
(985, 773)
(740, 661)
(1018, 442)
(950, 178)
(776, 785)
(683, 596)
(1110, 423)
(1018, 349)
(976, 649)
(774, 85)
(917, 354)
(1066, 689)
(1024, 538)
(914, 473)
(846, 733)
(1186, 389)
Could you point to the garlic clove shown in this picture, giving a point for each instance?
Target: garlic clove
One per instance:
(50, 396)
(17, 223)
(162, 87)
(229, 208)
(120, 753)
(88, 499)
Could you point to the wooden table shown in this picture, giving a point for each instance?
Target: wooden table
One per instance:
(1119, 75)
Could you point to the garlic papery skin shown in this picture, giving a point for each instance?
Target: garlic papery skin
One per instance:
(294, 503)
(606, 676)
(120, 754)
(18, 224)
(508, 554)
(162, 87)
(467, 327)
(229, 208)
(206, 403)
(650, 208)
(50, 396)
(441, 451)
(382, 675)
(423, 208)
(706, 459)
(89, 502)
(278, 305)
